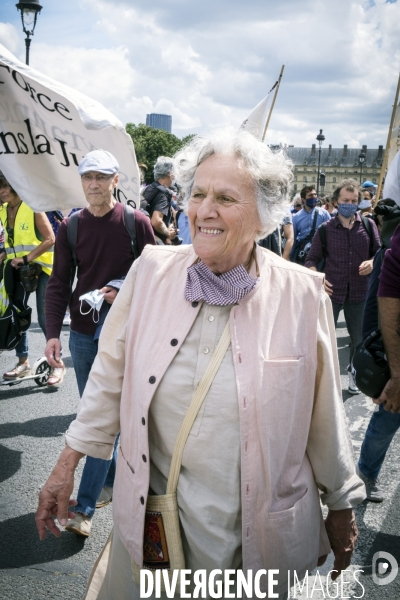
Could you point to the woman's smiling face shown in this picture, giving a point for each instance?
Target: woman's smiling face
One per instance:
(223, 214)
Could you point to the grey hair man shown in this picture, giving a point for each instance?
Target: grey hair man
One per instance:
(104, 256)
(159, 201)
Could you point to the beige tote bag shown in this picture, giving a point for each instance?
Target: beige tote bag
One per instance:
(162, 545)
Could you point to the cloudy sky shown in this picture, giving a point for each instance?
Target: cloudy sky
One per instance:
(209, 62)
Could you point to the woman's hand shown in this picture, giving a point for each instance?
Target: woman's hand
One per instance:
(342, 533)
(54, 497)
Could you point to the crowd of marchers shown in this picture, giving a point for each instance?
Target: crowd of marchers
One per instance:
(214, 245)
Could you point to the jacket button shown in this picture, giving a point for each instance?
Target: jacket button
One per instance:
(152, 379)
(141, 499)
(144, 458)
(143, 421)
(174, 342)
(194, 304)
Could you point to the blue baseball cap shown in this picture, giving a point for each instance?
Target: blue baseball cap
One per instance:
(368, 184)
(99, 161)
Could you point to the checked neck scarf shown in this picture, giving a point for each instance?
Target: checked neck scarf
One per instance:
(220, 290)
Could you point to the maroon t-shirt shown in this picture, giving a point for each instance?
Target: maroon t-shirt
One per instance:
(103, 251)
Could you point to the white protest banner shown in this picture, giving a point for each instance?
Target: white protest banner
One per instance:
(45, 129)
(256, 120)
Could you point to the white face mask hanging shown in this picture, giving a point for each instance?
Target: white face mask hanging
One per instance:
(95, 300)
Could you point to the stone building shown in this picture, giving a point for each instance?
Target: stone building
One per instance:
(336, 163)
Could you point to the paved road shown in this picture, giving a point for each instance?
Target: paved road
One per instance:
(32, 422)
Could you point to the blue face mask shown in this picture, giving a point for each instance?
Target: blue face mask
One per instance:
(347, 210)
(312, 202)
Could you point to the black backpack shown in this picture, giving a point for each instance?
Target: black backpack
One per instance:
(72, 235)
(17, 316)
(322, 234)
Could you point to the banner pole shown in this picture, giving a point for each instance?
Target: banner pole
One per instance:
(386, 155)
(273, 102)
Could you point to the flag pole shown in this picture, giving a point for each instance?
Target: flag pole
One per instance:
(386, 155)
(276, 86)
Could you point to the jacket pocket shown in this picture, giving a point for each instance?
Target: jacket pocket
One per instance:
(294, 534)
(281, 378)
(284, 514)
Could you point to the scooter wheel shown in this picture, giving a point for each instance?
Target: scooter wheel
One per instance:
(41, 368)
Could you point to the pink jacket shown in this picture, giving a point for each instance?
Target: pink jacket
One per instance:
(293, 432)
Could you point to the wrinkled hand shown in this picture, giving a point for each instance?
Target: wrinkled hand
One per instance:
(328, 287)
(54, 497)
(366, 267)
(110, 293)
(390, 396)
(52, 353)
(342, 533)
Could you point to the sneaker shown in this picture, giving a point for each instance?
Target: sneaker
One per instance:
(80, 524)
(18, 372)
(105, 497)
(56, 376)
(374, 492)
(352, 388)
(67, 319)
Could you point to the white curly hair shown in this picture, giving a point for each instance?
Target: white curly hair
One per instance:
(271, 171)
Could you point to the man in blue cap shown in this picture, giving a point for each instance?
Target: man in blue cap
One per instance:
(104, 255)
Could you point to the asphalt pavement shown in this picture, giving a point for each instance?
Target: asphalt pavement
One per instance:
(32, 422)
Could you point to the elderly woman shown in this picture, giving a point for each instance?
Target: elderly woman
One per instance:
(271, 431)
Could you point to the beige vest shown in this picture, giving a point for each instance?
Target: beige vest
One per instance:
(274, 335)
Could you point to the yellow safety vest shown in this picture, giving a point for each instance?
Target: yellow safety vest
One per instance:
(4, 301)
(25, 239)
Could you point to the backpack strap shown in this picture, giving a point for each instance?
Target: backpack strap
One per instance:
(368, 226)
(322, 235)
(129, 219)
(72, 235)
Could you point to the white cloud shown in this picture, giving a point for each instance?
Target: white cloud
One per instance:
(9, 37)
(208, 64)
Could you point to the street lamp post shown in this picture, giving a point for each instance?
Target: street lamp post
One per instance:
(29, 12)
(320, 139)
(361, 159)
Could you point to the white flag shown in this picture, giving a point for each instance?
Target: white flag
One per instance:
(45, 130)
(392, 180)
(394, 145)
(256, 120)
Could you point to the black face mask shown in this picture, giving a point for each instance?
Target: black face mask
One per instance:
(312, 202)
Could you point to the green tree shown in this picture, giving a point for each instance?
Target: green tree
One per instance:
(151, 143)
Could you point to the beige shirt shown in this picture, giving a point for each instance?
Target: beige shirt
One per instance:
(210, 488)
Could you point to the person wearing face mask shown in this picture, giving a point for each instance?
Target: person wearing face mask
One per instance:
(365, 206)
(305, 224)
(348, 255)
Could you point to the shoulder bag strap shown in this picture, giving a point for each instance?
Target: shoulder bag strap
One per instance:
(314, 223)
(195, 405)
(368, 226)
